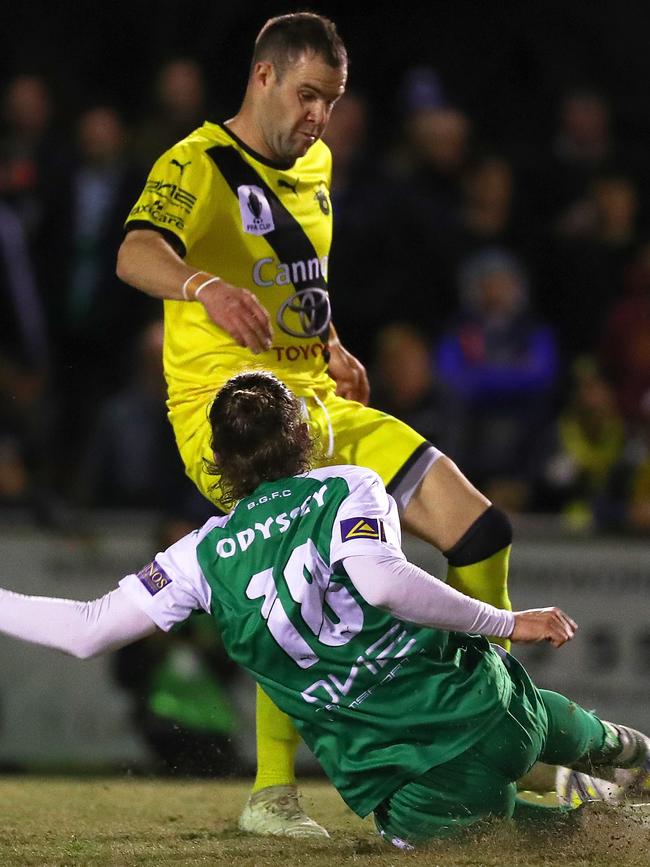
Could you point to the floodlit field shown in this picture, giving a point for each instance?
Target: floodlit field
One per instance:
(124, 822)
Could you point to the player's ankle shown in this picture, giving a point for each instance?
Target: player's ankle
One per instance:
(270, 782)
(622, 747)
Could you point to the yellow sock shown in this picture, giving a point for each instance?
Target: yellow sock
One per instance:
(277, 741)
(486, 580)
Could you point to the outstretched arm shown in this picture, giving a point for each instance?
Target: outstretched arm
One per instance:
(408, 592)
(82, 629)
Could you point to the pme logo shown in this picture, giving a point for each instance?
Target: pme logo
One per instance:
(362, 528)
(256, 216)
(306, 313)
(154, 577)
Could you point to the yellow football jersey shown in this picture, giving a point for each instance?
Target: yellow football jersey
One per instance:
(259, 225)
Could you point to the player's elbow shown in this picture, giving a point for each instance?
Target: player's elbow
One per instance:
(89, 639)
(377, 597)
(124, 267)
(85, 648)
(368, 574)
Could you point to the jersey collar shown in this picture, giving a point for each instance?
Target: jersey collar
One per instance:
(282, 165)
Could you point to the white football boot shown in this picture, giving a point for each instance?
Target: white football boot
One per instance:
(613, 785)
(276, 812)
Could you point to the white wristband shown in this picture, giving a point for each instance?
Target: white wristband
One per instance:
(185, 284)
(203, 285)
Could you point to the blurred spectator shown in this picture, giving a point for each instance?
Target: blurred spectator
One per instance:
(585, 268)
(584, 138)
(583, 147)
(435, 148)
(487, 214)
(131, 460)
(25, 416)
(582, 450)
(625, 348)
(607, 214)
(488, 189)
(131, 454)
(403, 382)
(179, 107)
(93, 316)
(31, 153)
(380, 249)
(499, 365)
(638, 507)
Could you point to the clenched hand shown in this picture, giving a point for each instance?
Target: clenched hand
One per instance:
(543, 624)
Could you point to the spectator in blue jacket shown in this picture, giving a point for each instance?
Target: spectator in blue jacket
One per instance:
(499, 364)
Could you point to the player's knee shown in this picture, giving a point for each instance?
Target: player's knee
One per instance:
(491, 532)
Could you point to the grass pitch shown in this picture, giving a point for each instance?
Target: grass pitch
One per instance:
(65, 822)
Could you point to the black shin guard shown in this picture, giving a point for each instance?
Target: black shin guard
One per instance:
(490, 532)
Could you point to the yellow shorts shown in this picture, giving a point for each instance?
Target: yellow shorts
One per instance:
(346, 432)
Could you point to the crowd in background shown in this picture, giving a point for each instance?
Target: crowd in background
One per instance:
(499, 296)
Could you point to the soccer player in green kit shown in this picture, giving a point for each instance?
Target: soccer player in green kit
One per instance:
(384, 670)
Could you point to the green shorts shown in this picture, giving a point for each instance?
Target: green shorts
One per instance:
(481, 782)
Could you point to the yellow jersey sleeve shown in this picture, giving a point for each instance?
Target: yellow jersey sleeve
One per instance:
(177, 197)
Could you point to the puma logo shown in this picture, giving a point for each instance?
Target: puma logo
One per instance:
(292, 187)
(181, 166)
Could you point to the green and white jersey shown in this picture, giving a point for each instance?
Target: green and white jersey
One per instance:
(379, 701)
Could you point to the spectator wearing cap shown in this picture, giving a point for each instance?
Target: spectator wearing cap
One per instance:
(435, 147)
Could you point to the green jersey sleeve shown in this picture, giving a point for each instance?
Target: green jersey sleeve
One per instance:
(172, 586)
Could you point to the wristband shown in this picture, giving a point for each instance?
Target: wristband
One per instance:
(189, 292)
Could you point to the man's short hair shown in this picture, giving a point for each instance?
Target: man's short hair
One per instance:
(285, 38)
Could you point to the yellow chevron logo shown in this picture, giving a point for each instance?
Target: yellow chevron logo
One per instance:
(362, 528)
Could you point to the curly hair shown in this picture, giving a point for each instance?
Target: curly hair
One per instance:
(258, 435)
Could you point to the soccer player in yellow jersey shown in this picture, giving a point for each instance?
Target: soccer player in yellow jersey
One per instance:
(233, 231)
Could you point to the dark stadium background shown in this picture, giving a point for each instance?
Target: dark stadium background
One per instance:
(505, 62)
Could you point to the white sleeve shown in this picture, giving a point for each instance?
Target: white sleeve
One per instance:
(82, 629)
(409, 593)
(172, 586)
(367, 522)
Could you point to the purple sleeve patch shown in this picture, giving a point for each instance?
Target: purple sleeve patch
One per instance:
(362, 528)
(154, 577)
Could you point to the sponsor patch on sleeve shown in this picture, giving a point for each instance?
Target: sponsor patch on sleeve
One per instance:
(362, 528)
(153, 577)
